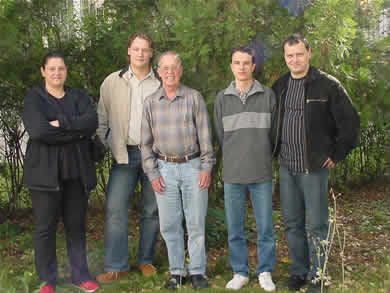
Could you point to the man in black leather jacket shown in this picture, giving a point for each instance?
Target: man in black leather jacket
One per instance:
(315, 126)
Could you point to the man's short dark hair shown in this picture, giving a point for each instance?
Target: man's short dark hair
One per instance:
(294, 39)
(243, 49)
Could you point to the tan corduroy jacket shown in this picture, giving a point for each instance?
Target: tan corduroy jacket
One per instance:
(114, 112)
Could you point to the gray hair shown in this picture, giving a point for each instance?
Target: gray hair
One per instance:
(172, 53)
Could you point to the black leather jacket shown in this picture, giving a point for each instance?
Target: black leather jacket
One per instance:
(332, 125)
(41, 170)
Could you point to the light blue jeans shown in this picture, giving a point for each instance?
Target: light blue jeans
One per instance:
(235, 204)
(183, 196)
(304, 205)
(121, 184)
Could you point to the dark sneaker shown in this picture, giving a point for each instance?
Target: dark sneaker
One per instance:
(175, 282)
(198, 282)
(295, 282)
(315, 288)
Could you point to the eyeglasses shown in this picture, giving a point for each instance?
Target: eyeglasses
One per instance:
(143, 50)
(170, 68)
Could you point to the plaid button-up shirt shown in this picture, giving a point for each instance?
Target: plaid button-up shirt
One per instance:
(175, 128)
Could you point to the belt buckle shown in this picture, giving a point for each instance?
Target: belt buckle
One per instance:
(176, 159)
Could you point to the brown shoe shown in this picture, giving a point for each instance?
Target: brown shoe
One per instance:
(147, 269)
(109, 277)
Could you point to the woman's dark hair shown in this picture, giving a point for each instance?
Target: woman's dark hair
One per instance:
(50, 55)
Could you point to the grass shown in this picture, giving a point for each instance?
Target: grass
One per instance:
(377, 217)
(367, 252)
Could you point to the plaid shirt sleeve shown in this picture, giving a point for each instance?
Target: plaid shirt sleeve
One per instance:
(204, 135)
(149, 161)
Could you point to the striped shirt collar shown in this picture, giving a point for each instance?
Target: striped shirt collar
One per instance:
(256, 88)
(180, 92)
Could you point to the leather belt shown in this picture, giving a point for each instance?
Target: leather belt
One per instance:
(178, 159)
(137, 146)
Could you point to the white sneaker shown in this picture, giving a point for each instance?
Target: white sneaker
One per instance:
(237, 282)
(265, 282)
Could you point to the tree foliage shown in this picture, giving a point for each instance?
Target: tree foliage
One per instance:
(203, 32)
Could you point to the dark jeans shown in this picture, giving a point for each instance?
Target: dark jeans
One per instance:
(304, 205)
(71, 203)
(120, 189)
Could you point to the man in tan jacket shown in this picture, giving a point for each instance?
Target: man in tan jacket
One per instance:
(120, 111)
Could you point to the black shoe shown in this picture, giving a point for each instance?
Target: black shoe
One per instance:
(198, 282)
(174, 282)
(315, 288)
(296, 282)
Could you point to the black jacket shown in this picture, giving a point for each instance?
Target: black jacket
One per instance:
(332, 125)
(41, 170)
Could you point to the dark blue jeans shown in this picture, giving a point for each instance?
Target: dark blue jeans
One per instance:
(121, 185)
(235, 206)
(304, 205)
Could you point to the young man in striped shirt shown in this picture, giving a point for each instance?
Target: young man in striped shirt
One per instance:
(242, 120)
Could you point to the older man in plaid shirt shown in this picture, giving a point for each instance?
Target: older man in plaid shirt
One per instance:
(177, 156)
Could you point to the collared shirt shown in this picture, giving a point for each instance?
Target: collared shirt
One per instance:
(243, 132)
(175, 128)
(140, 89)
(293, 131)
(242, 95)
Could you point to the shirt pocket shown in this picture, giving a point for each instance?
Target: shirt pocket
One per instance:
(318, 110)
(187, 110)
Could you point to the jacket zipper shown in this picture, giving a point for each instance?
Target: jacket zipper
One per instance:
(315, 100)
(32, 187)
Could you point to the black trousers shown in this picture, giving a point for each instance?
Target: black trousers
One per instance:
(71, 204)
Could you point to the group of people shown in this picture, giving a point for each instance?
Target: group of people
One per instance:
(159, 133)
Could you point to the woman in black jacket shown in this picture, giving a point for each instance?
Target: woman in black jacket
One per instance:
(59, 171)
